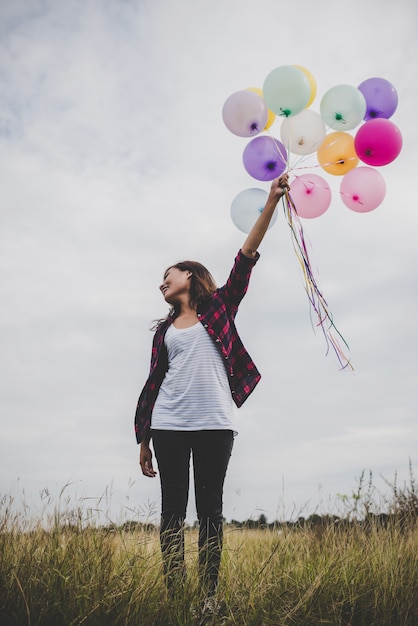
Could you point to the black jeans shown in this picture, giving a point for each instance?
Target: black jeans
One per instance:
(211, 450)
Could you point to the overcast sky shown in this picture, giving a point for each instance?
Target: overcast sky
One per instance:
(115, 163)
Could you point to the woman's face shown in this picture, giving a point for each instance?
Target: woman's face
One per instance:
(176, 284)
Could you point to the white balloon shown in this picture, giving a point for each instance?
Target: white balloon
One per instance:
(303, 133)
(247, 206)
(245, 113)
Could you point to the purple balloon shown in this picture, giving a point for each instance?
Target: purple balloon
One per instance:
(265, 158)
(381, 98)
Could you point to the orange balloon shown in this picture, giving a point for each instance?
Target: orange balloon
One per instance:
(337, 154)
(271, 116)
(312, 83)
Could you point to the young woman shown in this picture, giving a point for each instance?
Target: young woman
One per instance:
(199, 367)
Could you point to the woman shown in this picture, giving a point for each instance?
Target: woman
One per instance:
(199, 367)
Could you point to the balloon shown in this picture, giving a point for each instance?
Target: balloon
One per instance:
(343, 107)
(381, 98)
(337, 154)
(286, 90)
(247, 206)
(245, 113)
(311, 195)
(270, 115)
(378, 142)
(312, 83)
(303, 133)
(265, 158)
(363, 189)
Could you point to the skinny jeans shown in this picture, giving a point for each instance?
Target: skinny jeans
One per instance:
(211, 451)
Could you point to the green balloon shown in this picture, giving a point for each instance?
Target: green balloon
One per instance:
(343, 107)
(286, 90)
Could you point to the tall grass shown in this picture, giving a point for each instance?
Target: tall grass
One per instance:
(339, 571)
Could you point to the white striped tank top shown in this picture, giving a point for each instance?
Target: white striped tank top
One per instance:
(195, 393)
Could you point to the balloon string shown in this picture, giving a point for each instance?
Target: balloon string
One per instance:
(316, 299)
(318, 303)
(316, 165)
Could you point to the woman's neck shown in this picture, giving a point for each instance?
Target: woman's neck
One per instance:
(186, 317)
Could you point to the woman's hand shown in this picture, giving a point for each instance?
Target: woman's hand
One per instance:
(145, 460)
(279, 186)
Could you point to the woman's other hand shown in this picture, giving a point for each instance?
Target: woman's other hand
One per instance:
(145, 460)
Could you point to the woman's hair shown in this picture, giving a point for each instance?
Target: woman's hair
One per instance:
(202, 285)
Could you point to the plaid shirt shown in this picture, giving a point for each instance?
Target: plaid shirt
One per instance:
(217, 314)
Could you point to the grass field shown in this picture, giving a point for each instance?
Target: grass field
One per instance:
(334, 571)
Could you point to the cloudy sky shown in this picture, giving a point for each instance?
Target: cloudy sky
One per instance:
(114, 163)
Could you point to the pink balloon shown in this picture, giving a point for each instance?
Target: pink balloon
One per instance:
(363, 189)
(378, 142)
(245, 113)
(311, 195)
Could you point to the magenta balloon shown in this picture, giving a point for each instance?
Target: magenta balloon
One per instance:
(311, 195)
(363, 189)
(381, 98)
(378, 142)
(265, 158)
(245, 113)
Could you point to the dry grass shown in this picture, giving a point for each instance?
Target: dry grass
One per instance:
(343, 572)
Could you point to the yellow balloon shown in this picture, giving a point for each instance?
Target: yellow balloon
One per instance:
(337, 154)
(312, 83)
(271, 116)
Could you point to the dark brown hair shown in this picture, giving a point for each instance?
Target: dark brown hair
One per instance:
(202, 285)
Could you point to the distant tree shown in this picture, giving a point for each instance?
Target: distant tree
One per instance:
(262, 521)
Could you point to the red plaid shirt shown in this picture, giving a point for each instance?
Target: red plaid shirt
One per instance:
(217, 314)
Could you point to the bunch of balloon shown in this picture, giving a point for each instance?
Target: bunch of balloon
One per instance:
(352, 126)
(330, 135)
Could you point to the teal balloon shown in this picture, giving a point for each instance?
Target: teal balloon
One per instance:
(286, 90)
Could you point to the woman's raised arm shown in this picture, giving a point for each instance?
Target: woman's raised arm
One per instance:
(256, 235)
